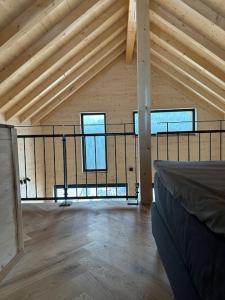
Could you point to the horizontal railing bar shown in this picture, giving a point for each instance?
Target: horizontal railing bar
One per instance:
(77, 198)
(74, 135)
(189, 132)
(71, 125)
(192, 121)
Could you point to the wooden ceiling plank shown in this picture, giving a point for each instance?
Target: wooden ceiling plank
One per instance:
(54, 29)
(209, 13)
(181, 45)
(216, 5)
(11, 9)
(212, 88)
(189, 36)
(49, 67)
(37, 15)
(60, 77)
(193, 81)
(195, 20)
(54, 46)
(65, 88)
(131, 31)
(175, 47)
(187, 82)
(82, 81)
(189, 94)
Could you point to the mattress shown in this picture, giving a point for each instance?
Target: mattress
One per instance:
(202, 251)
(200, 187)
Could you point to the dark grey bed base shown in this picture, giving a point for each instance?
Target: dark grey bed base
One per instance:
(177, 273)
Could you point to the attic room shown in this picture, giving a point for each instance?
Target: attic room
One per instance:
(112, 149)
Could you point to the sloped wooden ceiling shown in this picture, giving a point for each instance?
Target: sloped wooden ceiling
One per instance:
(52, 48)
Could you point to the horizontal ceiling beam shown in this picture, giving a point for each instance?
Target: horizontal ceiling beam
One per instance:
(80, 83)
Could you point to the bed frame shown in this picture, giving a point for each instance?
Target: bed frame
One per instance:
(176, 270)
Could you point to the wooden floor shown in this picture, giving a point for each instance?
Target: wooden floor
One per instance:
(98, 250)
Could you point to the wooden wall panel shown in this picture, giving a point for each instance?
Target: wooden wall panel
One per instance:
(11, 241)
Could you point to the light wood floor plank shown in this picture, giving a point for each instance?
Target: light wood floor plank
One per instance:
(90, 251)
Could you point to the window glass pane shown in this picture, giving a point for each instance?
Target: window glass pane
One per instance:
(94, 147)
(178, 120)
(83, 191)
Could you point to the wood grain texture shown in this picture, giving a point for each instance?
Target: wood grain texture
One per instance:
(11, 240)
(95, 250)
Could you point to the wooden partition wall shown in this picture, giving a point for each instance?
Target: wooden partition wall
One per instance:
(11, 239)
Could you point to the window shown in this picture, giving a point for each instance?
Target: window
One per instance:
(94, 147)
(169, 120)
(92, 190)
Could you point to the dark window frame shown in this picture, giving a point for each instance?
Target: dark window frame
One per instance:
(193, 110)
(83, 143)
(92, 185)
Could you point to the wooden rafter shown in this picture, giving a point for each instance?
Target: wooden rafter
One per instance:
(193, 72)
(195, 83)
(217, 5)
(64, 88)
(200, 23)
(187, 83)
(131, 31)
(175, 47)
(60, 58)
(192, 39)
(187, 92)
(87, 14)
(38, 44)
(189, 52)
(96, 69)
(61, 73)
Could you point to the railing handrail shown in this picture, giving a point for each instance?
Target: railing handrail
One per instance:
(67, 135)
(190, 132)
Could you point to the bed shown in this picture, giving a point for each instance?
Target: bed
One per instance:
(188, 223)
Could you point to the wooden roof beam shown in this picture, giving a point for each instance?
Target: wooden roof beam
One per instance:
(185, 80)
(192, 39)
(11, 9)
(56, 24)
(61, 57)
(212, 91)
(87, 14)
(60, 74)
(87, 61)
(131, 31)
(192, 59)
(188, 93)
(206, 11)
(96, 69)
(216, 5)
(189, 66)
(210, 27)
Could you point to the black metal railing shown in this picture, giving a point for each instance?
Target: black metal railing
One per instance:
(198, 145)
(52, 160)
(54, 163)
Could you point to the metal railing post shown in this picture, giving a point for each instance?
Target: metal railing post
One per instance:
(65, 183)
